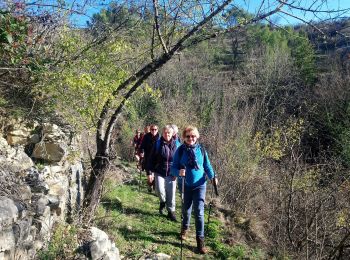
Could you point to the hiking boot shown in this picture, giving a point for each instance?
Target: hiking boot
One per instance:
(161, 208)
(200, 246)
(171, 216)
(183, 233)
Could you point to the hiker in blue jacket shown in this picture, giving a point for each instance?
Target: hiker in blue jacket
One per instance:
(159, 162)
(192, 163)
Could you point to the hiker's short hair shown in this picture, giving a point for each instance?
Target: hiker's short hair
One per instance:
(168, 127)
(175, 128)
(191, 129)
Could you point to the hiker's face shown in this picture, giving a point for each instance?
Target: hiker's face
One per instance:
(167, 134)
(190, 138)
(154, 130)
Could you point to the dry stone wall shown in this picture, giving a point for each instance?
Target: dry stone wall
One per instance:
(41, 184)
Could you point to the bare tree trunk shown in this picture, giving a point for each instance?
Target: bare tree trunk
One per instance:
(100, 166)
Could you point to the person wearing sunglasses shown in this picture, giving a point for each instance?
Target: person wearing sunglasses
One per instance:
(147, 144)
(192, 163)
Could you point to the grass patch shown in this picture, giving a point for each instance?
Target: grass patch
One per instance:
(130, 216)
(63, 244)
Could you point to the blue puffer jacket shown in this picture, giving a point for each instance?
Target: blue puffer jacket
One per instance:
(194, 177)
(161, 157)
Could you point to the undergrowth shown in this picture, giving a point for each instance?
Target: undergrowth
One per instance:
(63, 244)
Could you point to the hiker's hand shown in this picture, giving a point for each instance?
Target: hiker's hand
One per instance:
(214, 181)
(182, 173)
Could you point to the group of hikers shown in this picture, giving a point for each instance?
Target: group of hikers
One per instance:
(168, 163)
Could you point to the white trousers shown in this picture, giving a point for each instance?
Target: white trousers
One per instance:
(166, 188)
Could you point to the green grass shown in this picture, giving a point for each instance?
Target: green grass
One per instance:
(130, 216)
(62, 244)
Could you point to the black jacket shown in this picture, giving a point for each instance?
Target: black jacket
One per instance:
(146, 146)
(161, 157)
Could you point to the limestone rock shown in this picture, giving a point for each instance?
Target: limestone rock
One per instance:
(14, 159)
(7, 240)
(52, 133)
(53, 147)
(8, 215)
(18, 136)
(36, 181)
(101, 247)
(35, 138)
(24, 192)
(52, 170)
(18, 132)
(41, 206)
(51, 152)
(159, 256)
(76, 191)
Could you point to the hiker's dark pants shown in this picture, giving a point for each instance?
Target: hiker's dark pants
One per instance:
(194, 197)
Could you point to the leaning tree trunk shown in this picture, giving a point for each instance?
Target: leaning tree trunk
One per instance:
(100, 166)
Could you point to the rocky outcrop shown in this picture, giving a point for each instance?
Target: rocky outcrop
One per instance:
(40, 190)
(33, 199)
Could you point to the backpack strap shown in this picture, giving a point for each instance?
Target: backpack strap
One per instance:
(203, 152)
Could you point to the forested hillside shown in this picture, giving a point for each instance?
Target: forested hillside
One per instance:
(271, 102)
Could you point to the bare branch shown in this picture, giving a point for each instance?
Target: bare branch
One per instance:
(303, 20)
(157, 27)
(152, 42)
(313, 10)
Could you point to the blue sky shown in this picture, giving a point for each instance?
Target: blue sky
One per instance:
(250, 5)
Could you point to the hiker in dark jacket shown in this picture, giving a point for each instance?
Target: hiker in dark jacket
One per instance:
(192, 163)
(140, 152)
(160, 163)
(136, 142)
(147, 144)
